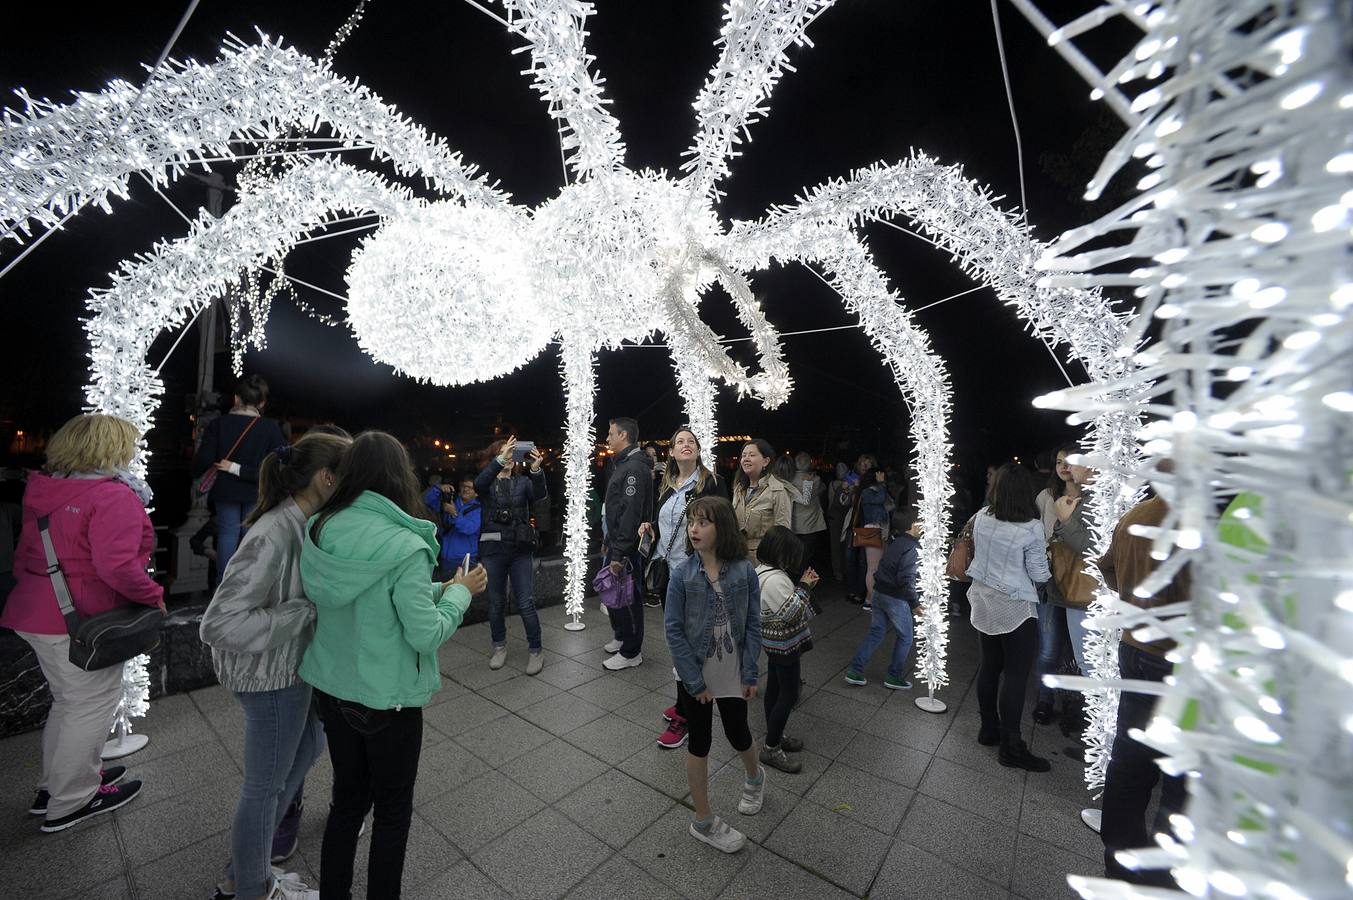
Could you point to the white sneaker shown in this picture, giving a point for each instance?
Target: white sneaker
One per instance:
(721, 836)
(618, 662)
(613, 646)
(753, 796)
(287, 886)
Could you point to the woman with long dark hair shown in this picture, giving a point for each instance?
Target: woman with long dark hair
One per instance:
(507, 541)
(1009, 562)
(1052, 620)
(686, 478)
(367, 565)
(258, 625)
(760, 500)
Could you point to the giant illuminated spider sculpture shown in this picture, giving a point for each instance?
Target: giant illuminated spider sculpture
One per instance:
(594, 259)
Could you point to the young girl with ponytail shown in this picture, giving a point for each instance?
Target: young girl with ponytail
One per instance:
(258, 626)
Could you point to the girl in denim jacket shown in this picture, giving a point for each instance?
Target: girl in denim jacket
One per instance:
(713, 624)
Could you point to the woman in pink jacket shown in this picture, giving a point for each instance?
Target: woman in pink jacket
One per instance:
(103, 540)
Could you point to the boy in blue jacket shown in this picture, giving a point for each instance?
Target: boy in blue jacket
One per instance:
(895, 597)
(460, 526)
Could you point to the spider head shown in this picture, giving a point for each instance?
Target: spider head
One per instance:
(447, 270)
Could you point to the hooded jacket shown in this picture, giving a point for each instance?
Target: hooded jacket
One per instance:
(380, 618)
(103, 540)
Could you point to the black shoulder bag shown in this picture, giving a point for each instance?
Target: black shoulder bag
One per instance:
(110, 638)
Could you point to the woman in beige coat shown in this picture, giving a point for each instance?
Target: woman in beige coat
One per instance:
(760, 500)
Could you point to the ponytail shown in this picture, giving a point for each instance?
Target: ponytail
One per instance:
(291, 467)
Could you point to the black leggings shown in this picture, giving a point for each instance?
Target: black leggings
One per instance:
(782, 692)
(700, 722)
(1001, 700)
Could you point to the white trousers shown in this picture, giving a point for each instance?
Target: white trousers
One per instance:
(83, 704)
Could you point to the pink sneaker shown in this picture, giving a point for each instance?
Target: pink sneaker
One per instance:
(675, 736)
(670, 714)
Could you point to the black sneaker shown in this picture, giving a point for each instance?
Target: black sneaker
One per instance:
(652, 602)
(110, 775)
(108, 798)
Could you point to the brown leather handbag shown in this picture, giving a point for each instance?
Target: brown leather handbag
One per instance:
(960, 555)
(1070, 587)
(867, 536)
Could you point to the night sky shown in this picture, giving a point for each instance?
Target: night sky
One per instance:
(885, 76)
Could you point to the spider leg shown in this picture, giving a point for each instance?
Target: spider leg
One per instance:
(56, 158)
(577, 364)
(168, 286)
(753, 42)
(560, 63)
(919, 374)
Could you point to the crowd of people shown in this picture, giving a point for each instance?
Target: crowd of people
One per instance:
(342, 574)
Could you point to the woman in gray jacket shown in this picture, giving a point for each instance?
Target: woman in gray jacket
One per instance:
(258, 626)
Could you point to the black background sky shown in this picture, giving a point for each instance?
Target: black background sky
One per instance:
(885, 76)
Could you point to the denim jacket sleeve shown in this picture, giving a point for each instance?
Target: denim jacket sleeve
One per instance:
(1036, 556)
(688, 669)
(751, 633)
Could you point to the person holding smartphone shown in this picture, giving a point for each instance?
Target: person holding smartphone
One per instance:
(507, 486)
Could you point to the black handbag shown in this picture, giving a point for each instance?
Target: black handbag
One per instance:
(108, 639)
(656, 577)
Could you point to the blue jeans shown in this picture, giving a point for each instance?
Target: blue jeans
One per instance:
(518, 566)
(229, 530)
(889, 612)
(1051, 637)
(282, 739)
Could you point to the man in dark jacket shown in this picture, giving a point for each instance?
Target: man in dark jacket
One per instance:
(628, 504)
(895, 596)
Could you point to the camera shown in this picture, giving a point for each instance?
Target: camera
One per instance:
(521, 450)
(502, 516)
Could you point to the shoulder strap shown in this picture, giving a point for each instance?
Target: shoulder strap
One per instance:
(235, 446)
(58, 577)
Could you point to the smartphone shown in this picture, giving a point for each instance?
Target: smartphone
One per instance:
(465, 566)
(646, 543)
(522, 450)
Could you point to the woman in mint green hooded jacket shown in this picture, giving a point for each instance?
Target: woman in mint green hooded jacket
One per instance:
(367, 566)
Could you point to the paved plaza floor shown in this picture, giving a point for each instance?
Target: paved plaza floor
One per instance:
(554, 786)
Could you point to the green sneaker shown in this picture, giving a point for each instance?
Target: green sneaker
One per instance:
(896, 684)
(855, 678)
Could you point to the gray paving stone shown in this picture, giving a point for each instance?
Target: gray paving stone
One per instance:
(872, 694)
(960, 746)
(857, 795)
(905, 724)
(885, 759)
(970, 842)
(614, 807)
(725, 789)
(663, 770)
(798, 784)
(458, 716)
(175, 724)
(543, 857)
(178, 822)
(654, 675)
(846, 711)
(440, 769)
(837, 848)
(478, 676)
(518, 693)
(1057, 820)
(118, 888)
(995, 797)
(475, 636)
(667, 852)
(189, 872)
(1041, 869)
(561, 713)
(610, 738)
(910, 873)
(568, 674)
(185, 771)
(449, 690)
(620, 879)
(554, 769)
(455, 655)
(646, 711)
(475, 813)
(610, 693)
(460, 880)
(67, 863)
(822, 736)
(502, 740)
(768, 875)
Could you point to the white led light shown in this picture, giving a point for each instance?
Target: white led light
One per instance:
(1270, 232)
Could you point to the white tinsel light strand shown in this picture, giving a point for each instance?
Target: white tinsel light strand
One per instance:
(1242, 112)
(996, 248)
(135, 701)
(577, 366)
